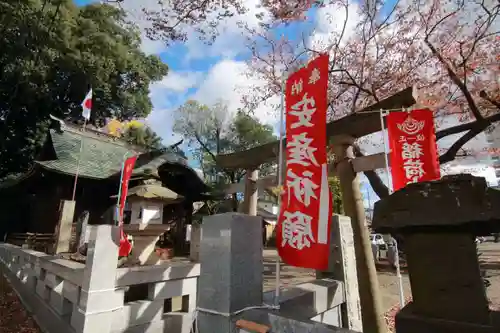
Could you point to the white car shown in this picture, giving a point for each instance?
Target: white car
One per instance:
(377, 239)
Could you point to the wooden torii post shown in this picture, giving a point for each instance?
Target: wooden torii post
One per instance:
(342, 134)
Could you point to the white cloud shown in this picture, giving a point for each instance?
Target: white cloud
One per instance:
(330, 21)
(179, 81)
(134, 10)
(227, 80)
(230, 34)
(231, 37)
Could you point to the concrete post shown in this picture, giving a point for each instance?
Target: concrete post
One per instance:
(251, 192)
(369, 294)
(99, 300)
(63, 232)
(231, 269)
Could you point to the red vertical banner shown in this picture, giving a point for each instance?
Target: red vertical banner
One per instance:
(128, 167)
(412, 140)
(303, 229)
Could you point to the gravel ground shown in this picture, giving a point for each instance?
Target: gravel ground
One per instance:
(13, 317)
(490, 261)
(388, 282)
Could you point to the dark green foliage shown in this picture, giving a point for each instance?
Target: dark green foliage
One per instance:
(52, 53)
(334, 184)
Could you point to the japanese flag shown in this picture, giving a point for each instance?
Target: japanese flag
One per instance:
(87, 105)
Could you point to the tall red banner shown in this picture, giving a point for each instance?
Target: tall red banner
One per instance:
(303, 229)
(128, 167)
(412, 140)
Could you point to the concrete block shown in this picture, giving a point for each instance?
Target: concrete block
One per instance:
(231, 262)
(137, 313)
(332, 317)
(71, 292)
(231, 268)
(307, 300)
(40, 272)
(102, 258)
(128, 276)
(191, 302)
(28, 280)
(98, 301)
(92, 322)
(60, 304)
(172, 288)
(42, 290)
(54, 282)
(172, 322)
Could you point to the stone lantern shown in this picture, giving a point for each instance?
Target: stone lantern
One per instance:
(146, 222)
(439, 222)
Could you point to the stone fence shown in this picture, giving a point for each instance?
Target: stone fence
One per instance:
(66, 296)
(226, 286)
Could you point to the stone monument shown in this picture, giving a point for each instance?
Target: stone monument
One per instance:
(439, 221)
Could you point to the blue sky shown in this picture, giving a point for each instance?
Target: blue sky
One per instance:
(206, 72)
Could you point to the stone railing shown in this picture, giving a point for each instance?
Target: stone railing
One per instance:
(66, 296)
(157, 298)
(49, 287)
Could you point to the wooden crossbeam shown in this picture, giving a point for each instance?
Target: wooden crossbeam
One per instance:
(355, 125)
(359, 164)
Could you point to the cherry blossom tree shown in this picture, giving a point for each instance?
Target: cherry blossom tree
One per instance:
(449, 49)
(176, 20)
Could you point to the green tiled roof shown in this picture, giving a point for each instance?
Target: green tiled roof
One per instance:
(99, 159)
(102, 157)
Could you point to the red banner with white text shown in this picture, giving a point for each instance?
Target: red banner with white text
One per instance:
(128, 168)
(412, 140)
(303, 230)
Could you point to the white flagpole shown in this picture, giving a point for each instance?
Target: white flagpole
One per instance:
(78, 162)
(391, 188)
(280, 182)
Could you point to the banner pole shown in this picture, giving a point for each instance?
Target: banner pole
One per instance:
(391, 189)
(386, 151)
(280, 182)
(78, 162)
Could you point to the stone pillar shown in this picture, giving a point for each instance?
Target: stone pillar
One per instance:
(251, 192)
(342, 267)
(445, 278)
(194, 242)
(63, 232)
(231, 269)
(99, 299)
(352, 200)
